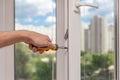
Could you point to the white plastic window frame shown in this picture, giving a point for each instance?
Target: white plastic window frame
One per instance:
(117, 39)
(68, 63)
(7, 54)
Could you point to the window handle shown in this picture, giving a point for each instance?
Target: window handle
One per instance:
(79, 4)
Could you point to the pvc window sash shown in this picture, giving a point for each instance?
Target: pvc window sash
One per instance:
(117, 39)
(68, 62)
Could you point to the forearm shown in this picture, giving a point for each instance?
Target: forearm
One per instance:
(11, 37)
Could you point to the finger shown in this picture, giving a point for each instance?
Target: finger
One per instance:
(34, 49)
(46, 50)
(41, 52)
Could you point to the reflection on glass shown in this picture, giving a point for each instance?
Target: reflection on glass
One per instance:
(97, 38)
(38, 16)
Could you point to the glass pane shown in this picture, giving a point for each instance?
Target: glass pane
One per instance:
(97, 38)
(38, 16)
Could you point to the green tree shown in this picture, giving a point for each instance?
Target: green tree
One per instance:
(43, 69)
(21, 60)
(95, 66)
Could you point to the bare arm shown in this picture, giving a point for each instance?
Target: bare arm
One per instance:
(29, 37)
(10, 37)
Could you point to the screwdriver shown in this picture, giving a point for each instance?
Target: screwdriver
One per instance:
(55, 47)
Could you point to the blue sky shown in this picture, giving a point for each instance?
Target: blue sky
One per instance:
(42, 12)
(106, 9)
(35, 12)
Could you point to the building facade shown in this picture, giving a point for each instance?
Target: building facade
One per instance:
(99, 37)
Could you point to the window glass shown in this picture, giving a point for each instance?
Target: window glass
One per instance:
(97, 41)
(38, 16)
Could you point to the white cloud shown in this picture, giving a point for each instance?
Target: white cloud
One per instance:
(110, 18)
(43, 6)
(51, 19)
(30, 8)
(16, 20)
(90, 1)
(29, 19)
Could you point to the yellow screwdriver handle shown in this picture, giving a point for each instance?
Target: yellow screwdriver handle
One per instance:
(47, 48)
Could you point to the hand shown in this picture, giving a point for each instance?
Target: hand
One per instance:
(36, 40)
(34, 49)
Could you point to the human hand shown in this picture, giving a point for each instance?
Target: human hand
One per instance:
(35, 49)
(36, 40)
